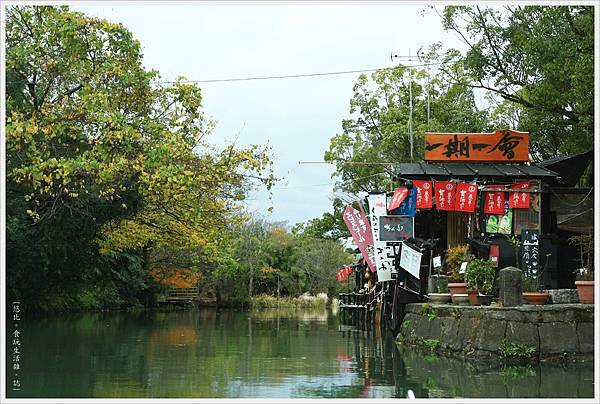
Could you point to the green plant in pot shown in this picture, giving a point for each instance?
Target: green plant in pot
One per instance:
(532, 286)
(455, 256)
(480, 277)
(585, 274)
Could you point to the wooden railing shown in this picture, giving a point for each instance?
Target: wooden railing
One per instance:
(181, 295)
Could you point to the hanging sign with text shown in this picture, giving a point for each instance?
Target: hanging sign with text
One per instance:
(410, 260)
(466, 197)
(444, 195)
(520, 200)
(395, 228)
(501, 146)
(384, 254)
(424, 199)
(359, 227)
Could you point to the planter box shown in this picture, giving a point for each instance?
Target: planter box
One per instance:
(585, 289)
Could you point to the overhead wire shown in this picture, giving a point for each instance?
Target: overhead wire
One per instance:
(287, 76)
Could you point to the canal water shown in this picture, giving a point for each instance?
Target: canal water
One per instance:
(260, 354)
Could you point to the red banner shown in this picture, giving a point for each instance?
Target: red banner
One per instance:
(444, 195)
(340, 276)
(399, 196)
(424, 200)
(494, 203)
(466, 197)
(359, 227)
(520, 200)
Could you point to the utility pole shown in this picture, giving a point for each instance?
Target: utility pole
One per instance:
(410, 114)
(410, 102)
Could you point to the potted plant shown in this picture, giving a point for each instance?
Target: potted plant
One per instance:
(455, 256)
(585, 274)
(531, 291)
(532, 286)
(480, 277)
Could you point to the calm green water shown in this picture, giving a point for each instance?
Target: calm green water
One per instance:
(266, 354)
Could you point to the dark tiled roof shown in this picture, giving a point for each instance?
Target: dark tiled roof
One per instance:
(570, 168)
(426, 170)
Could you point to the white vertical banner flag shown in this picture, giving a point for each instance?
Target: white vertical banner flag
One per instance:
(384, 259)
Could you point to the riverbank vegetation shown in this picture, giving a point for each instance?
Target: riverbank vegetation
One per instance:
(112, 182)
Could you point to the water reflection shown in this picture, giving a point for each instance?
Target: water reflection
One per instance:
(272, 353)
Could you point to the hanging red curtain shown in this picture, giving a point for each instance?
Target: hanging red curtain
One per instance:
(424, 199)
(466, 197)
(444, 195)
(519, 200)
(494, 203)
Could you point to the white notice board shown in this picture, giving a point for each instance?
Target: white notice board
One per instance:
(410, 260)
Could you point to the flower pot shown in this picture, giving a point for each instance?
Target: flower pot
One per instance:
(536, 298)
(473, 299)
(456, 288)
(437, 284)
(461, 299)
(585, 289)
(485, 300)
(439, 298)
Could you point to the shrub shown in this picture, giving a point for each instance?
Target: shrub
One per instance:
(480, 275)
(454, 257)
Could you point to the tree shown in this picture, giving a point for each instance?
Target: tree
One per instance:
(330, 226)
(539, 60)
(377, 135)
(103, 161)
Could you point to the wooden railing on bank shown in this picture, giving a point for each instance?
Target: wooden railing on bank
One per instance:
(182, 295)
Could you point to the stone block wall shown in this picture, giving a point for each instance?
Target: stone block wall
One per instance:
(549, 333)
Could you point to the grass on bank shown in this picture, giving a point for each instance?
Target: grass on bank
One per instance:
(303, 301)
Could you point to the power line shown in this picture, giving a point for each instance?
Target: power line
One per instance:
(287, 76)
(255, 78)
(330, 183)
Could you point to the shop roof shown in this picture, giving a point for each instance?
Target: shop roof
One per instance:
(570, 168)
(441, 171)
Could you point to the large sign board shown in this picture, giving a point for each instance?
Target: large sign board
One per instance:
(501, 146)
(395, 228)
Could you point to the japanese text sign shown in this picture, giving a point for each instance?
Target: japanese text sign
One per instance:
(359, 227)
(530, 251)
(384, 260)
(503, 145)
(519, 199)
(395, 228)
(466, 197)
(410, 260)
(444, 195)
(423, 188)
(494, 203)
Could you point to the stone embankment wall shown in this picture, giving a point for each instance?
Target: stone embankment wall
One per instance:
(553, 332)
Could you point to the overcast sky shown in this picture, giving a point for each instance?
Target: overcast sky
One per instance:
(296, 116)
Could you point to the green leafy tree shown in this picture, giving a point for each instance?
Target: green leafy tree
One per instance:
(539, 60)
(102, 161)
(377, 134)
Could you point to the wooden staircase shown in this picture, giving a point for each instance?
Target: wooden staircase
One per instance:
(182, 295)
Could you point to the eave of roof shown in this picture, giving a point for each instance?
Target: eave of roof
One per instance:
(426, 170)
